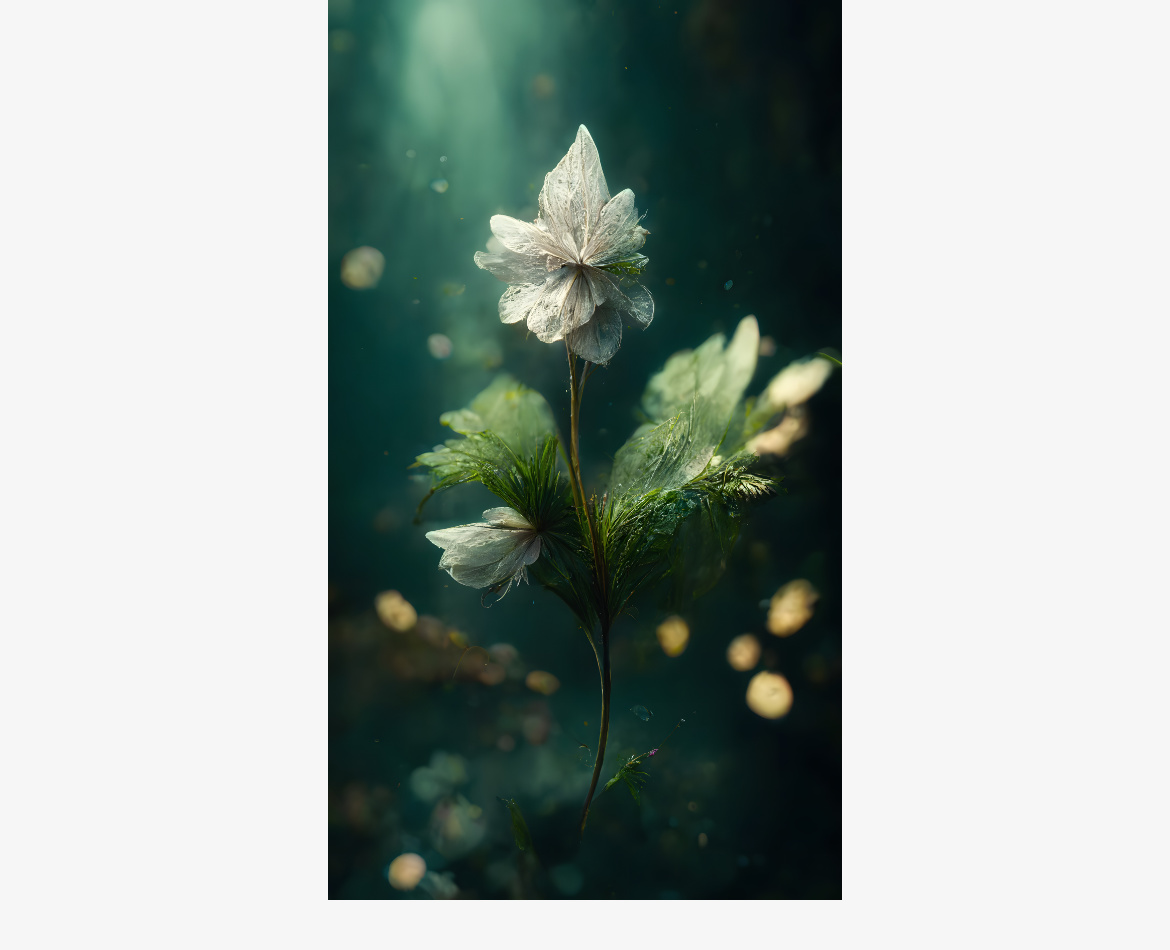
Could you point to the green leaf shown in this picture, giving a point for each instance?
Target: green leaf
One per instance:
(504, 422)
(519, 826)
(690, 404)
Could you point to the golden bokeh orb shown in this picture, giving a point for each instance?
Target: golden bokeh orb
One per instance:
(743, 653)
(769, 695)
(791, 607)
(406, 871)
(395, 611)
(673, 635)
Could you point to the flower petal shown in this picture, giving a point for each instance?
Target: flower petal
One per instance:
(617, 235)
(507, 517)
(564, 305)
(636, 305)
(575, 192)
(511, 267)
(518, 300)
(525, 239)
(600, 338)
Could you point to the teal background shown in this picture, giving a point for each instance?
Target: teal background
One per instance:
(724, 118)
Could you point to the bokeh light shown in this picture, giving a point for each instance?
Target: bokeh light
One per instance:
(769, 695)
(797, 382)
(439, 346)
(791, 607)
(778, 440)
(395, 611)
(406, 871)
(361, 268)
(673, 635)
(743, 652)
(541, 682)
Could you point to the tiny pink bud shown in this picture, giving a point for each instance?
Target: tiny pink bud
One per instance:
(652, 751)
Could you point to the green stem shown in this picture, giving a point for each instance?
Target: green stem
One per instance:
(600, 577)
(606, 682)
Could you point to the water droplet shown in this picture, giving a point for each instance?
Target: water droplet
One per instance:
(642, 713)
(727, 286)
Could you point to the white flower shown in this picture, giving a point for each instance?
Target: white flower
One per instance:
(554, 267)
(489, 555)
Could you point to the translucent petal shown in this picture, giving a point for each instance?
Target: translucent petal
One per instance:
(641, 305)
(564, 304)
(575, 192)
(519, 299)
(507, 517)
(600, 338)
(617, 235)
(511, 267)
(525, 239)
(475, 544)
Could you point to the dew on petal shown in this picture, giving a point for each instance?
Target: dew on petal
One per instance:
(769, 695)
(406, 871)
(743, 653)
(361, 268)
(541, 682)
(440, 346)
(439, 185)
(395, 611)
(791, 607)
(673, 634)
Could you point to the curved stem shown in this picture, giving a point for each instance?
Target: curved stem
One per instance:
(600, 578)
(606, 681)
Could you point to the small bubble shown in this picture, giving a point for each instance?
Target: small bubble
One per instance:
(642, 713)
(727, 286)
(439, 346)
(442, 158)
(410, 153)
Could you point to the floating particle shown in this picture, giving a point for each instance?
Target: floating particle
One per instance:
(769, 695)
(642, 713)
(439, 346)
(406, 871)
(440, 185)
(394, 611)
(743, 652)
(727, 285)
(673, 634)
(791, 607)
(541, 682)
(410, 153)
(361, 268)
(442, 158)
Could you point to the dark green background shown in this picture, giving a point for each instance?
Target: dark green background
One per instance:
(724, 118)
